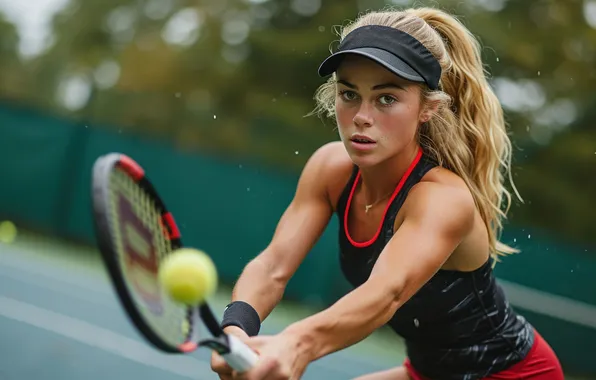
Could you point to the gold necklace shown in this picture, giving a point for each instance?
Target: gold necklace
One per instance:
(368, 207)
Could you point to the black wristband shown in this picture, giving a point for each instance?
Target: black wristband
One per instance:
(243, 315)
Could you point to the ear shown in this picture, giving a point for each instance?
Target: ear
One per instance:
(428, 111)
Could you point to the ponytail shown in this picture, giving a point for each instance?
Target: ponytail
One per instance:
(479, 149)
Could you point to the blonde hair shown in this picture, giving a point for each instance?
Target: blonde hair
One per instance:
(467, 134)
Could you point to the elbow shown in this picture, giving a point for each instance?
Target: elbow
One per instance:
(395, 300)
(395, 292)
(391, 293)
(392, 287)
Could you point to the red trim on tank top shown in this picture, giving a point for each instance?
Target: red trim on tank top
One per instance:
(395, 192)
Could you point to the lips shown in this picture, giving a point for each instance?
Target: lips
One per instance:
(362, 139)
(362, 143)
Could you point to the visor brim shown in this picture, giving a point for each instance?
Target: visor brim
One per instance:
(382, 57)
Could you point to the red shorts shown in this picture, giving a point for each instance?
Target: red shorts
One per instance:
(541, 363)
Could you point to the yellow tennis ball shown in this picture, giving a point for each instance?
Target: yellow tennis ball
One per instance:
(8, 232)
(188, 276)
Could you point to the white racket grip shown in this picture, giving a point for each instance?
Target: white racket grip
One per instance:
(241, 357)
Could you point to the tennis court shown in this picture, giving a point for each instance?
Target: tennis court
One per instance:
(62, 320)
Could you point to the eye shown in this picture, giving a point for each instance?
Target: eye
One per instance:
(348, 95)
(387, 100)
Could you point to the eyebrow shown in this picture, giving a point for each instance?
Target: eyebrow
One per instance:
(376, 87)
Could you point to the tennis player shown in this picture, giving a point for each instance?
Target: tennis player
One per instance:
(418, 185)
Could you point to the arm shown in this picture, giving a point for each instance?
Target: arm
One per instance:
(263, 280)
(432, 229)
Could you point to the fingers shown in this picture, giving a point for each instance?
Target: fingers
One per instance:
(219, 366)
(267, 369)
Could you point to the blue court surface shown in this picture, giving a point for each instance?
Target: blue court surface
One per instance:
(60, 320)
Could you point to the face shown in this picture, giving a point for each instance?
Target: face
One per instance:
(378, 113)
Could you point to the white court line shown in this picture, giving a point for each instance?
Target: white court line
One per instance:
(101, 338)
(566, 309)
(114, 343)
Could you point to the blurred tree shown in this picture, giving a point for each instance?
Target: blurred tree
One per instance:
(546, 50)
(236, 78)
(13, 78)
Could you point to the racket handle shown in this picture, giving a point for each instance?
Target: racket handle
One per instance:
(241, 357)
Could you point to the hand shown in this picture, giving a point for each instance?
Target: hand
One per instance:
(218, 364)
(281, 357)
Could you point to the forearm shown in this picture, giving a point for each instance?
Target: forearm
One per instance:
(259, 286)
(351, 319)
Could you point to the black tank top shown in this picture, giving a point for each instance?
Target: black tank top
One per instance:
(459, 325)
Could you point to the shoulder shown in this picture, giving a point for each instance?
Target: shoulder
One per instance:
(331, 155)
(330, 167)
(442, 199)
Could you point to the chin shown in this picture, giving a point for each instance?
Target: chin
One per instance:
(364, 160)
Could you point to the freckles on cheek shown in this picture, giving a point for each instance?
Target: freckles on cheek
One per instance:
(343, 119)
(383, 138)
(343, 122)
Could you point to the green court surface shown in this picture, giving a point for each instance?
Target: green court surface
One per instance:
(59, 319)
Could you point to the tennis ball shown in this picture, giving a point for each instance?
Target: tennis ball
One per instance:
(8, 232)
(188, 276)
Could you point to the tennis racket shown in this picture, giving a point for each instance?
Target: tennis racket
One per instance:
(135, 232)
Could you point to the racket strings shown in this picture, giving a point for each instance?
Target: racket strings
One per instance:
(169, 320)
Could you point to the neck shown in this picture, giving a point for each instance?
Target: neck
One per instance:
(380, 180)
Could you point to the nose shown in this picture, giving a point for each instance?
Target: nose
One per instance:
(363, 117)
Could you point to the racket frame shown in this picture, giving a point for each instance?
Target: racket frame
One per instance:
(238, 355)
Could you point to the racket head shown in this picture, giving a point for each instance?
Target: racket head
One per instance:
(134, 232)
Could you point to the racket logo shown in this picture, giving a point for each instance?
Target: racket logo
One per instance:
(140, 258)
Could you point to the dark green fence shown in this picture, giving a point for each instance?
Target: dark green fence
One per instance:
(230, 209)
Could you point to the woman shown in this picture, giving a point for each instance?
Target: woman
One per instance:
(417, 182)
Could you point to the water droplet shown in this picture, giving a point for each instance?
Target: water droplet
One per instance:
(514, 240)
(497, 59)
(296, 152)
(86, 126)
(539, 73)
(529, 236)
(248, 189)
(321, 28)
(572, 271)
(214, 117)
(416, 322)
(177, 94)
(527, 128)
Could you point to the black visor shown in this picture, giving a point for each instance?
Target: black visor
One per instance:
(397, 51)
